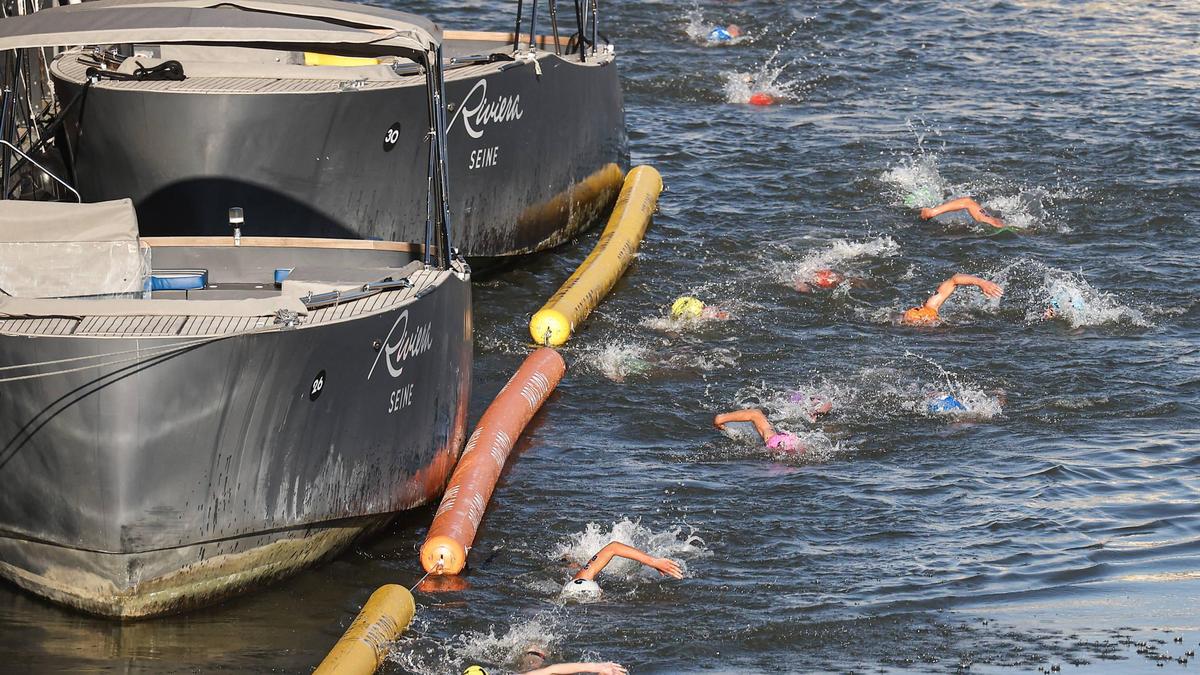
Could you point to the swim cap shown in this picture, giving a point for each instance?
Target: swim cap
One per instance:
(921, 315)
(474, 670)
(826, 278)
(719, 34)
(946, 403)
(686, 307)
(1064, 298)
(581, 588)
(784, 441)
(919, 197)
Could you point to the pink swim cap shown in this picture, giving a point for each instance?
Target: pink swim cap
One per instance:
(784, 441)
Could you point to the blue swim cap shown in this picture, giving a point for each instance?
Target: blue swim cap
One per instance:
(945, 404)
(1066, 298)
(719, 34)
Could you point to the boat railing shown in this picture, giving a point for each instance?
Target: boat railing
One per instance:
(587, 20)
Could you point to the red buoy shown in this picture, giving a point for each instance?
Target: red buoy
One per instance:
(760, 98)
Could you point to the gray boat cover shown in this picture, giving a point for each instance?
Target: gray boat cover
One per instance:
(266, 307)
(336, 26)
(56, 250)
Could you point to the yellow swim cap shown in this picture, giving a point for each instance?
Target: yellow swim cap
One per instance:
(686, 307)
(474, 670)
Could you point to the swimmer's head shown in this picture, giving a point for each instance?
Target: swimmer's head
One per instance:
(920, 316)
(920, 197)
(687, 307)
(474, 670)
(533, 658)
(827, 278)
(814, 404)
(785, 442)
(1061, 302)
(945, 403)
(581, 589)
(734, 30)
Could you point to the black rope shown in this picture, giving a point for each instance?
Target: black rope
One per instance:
(167, 70)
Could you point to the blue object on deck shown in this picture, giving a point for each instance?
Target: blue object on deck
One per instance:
(178, 281)
(282, 273)
(946, 404)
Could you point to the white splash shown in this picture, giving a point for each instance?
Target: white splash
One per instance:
(1075, 301)
(673, 543)
(915, 181)
(837, 255)
(768, 79)
(619, 360)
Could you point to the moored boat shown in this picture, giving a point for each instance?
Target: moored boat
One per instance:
(312, 145)
(185, 418)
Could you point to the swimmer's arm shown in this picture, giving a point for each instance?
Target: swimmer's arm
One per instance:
(572, 668)
(963, 203)
(946, 289)
(615, 549)
(752, 415)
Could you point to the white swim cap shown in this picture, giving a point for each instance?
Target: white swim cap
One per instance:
(581, 588)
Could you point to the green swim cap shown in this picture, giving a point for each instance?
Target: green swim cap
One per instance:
(920, 197)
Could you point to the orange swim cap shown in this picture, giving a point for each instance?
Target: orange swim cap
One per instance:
(920, 315)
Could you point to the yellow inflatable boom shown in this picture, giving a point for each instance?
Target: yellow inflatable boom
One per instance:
(576, 299)
(365, 644)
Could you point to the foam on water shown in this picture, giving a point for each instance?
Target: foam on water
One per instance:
(619, 360)
(677, 543)
(769, 78)
(915, 181)
(838, 255)
(1035, 286)
(1079, 304)
(419, 654)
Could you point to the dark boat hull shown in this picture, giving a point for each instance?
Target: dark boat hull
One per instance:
(533, 158)
(157, 485)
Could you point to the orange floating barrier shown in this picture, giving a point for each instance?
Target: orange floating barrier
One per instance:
(457, 519)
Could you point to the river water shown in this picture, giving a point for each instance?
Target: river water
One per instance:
(1055, 522)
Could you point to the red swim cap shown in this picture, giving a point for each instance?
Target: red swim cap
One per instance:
(826, 278)
(759, 98)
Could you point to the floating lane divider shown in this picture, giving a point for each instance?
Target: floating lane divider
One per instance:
(457, 519)
(364, 645)
(583, 290)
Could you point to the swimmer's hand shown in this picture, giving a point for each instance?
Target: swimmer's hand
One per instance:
(991, 290)
(667, 567)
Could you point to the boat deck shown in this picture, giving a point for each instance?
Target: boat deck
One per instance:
(209, 312)
(230, 77)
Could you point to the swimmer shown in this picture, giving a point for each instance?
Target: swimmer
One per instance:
(725, 34)
(944, 403)
(825, 279)
(927, 313)
(814, 405)
(686, 307)
(583, 583)
(775, 441)
(1063, 301)
(963, 209)
(533, 662)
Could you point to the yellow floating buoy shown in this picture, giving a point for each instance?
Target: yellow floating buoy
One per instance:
(584, 289)
(364, 645)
